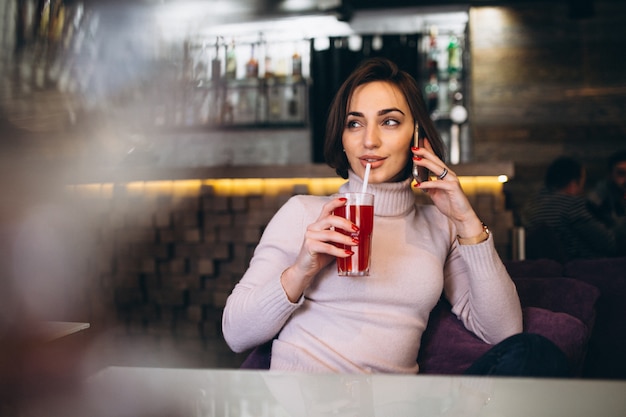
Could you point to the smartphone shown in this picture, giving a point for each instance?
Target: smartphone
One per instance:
(420, 174)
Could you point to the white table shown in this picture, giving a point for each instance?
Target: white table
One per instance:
(127, 391)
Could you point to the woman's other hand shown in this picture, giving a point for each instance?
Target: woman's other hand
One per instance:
(446, 192)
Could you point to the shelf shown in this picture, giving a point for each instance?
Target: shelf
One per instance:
(266, 171)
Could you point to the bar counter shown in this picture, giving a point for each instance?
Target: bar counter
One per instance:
(480, 182)
(130, 174)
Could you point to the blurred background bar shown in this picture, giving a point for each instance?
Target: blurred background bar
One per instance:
(146, 144)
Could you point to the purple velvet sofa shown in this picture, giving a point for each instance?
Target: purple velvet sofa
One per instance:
(606, 353)
(563, 309)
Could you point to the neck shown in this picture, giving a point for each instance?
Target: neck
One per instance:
(390, 198)
(573, 188)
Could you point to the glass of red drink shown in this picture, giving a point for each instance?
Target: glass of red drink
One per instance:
(359, 209)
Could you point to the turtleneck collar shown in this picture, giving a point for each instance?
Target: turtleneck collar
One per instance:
(390, 198)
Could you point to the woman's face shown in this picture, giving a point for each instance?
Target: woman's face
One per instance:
(379, 130)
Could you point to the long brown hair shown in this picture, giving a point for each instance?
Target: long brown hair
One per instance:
(376, 69)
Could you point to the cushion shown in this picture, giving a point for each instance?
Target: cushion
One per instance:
(447, 346)
(565, 295)
(567, 332)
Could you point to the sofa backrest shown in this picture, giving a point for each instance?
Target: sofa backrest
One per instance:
(534, 268)
(560, 294)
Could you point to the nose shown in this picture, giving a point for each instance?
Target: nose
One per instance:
(371, 138)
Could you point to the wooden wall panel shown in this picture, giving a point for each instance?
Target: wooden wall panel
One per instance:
(545, 85)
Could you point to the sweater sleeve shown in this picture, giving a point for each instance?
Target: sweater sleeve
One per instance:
(258, 307)
(481, 292)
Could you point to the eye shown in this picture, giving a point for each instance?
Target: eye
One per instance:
(351, 124)
(391, 122)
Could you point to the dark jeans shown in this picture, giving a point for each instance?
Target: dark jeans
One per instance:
(524, 355)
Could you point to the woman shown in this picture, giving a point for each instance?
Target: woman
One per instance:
(328, 323)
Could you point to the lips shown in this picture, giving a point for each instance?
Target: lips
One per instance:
(375, 161)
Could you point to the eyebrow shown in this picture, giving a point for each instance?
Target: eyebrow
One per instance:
(380, 112)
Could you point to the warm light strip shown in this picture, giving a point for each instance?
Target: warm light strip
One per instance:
(252, 186)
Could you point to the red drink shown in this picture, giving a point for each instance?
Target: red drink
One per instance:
(363, 216)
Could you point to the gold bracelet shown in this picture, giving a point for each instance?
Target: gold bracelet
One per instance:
(484, 235)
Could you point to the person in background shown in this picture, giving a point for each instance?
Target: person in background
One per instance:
(559, 224)
(318, 321)
(607, 200)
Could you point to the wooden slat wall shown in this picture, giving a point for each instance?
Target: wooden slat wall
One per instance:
(545, 85)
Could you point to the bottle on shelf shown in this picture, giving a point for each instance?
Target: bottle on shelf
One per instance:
(231, 61)
(44, 19)
(216, 63)
(200, 69)
(57, 20)
(453, 88)
(266, 53)
(292, 101)
(227, 114)
(269, 65)
(454, 55)
(433, 52)
(245, 111)
(262, 104)
(296, 65)
(432, 93)
(187, 74)
(275, 104)
(252, 66)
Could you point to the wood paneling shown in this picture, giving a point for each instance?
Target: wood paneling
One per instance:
(545, 85)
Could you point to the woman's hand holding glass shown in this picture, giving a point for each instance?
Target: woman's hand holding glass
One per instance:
(318, 249)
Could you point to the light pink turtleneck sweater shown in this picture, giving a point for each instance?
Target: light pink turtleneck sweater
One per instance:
(373, 323)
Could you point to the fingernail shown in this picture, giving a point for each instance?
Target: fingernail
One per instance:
(349, 252)
(415, 148)
(417, 158)
(355, 240)
(343, 199)
(417, 184)
(355, 228)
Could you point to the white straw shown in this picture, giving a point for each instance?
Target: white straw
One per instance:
(366, 177)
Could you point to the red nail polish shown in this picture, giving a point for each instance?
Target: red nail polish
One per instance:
(355, 240)
(415, 148)
(343, 199)
(349, 252)
(417, 184)
(355, 228)
(417, 158)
